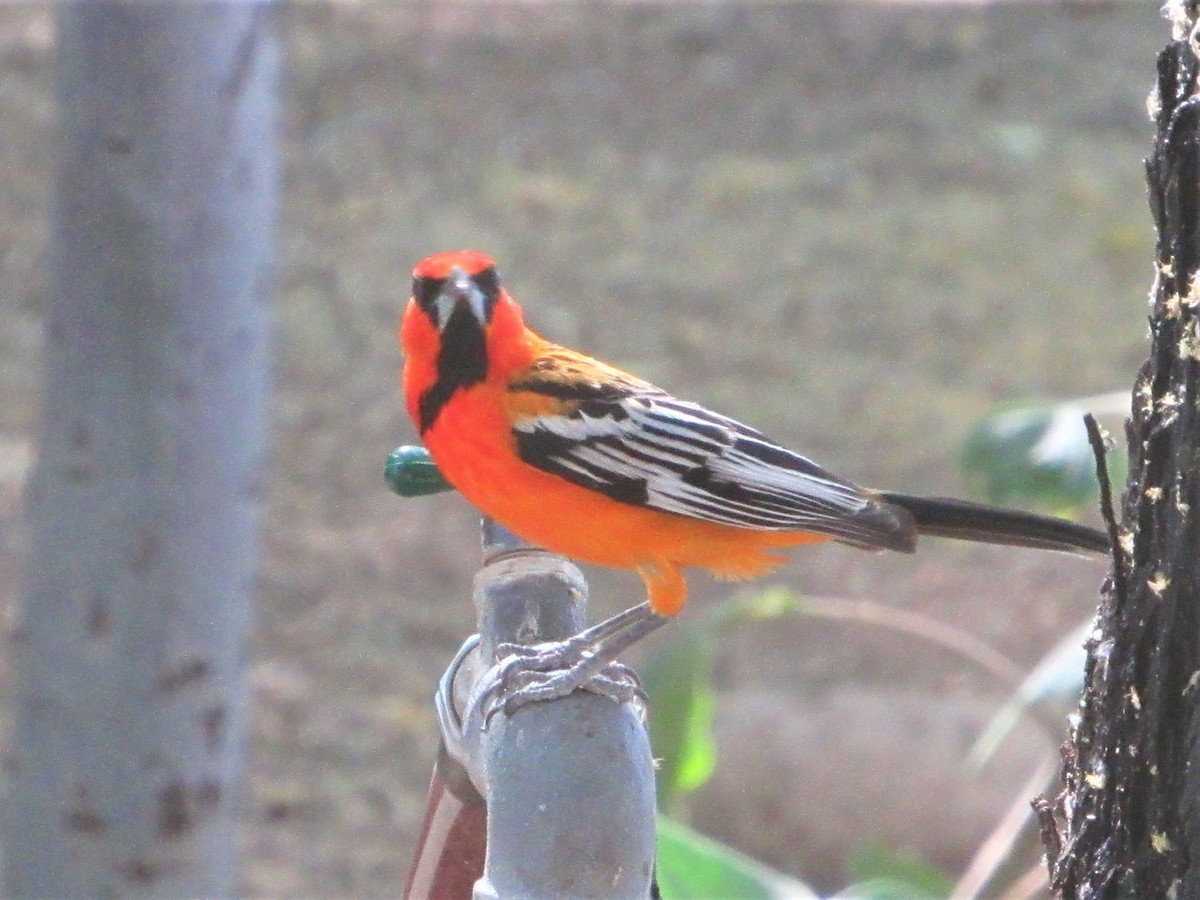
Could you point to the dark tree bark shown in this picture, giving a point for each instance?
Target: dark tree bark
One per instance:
(124, 773)
(1131, 803)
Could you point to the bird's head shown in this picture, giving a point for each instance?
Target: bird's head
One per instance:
(447, 287)
(460, 329)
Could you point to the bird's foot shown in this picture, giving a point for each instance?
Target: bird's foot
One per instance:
(537, 673)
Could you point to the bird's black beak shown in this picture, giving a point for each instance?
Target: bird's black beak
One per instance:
(461, 290)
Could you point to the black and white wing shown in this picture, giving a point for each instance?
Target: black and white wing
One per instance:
(646, 448)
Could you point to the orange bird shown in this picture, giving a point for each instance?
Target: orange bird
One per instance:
(593, 463)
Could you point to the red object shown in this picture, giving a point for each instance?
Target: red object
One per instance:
(453, 843)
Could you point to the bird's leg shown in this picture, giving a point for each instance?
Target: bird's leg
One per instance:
(531, 674)
(554, 654)
(591, 666)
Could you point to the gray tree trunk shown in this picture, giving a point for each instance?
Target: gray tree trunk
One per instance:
(124, 773)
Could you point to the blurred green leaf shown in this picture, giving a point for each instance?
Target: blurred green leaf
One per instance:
(887, 874)
(678, 682)
(411, 472)
(699, 756)
(1037, 456)
(693, 867)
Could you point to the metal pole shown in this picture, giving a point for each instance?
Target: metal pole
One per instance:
(570, 782)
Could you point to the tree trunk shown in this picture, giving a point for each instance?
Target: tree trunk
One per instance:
(123, 777)
(1132, 764)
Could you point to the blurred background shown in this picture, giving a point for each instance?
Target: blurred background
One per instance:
(859, 227)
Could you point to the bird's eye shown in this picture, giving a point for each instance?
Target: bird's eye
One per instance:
(426, 290)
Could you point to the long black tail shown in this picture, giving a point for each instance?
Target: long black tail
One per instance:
(968, 521)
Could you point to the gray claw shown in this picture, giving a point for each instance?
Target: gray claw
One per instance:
(535, 674)
(615, 682)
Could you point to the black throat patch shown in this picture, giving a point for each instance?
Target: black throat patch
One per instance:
(461, 363)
